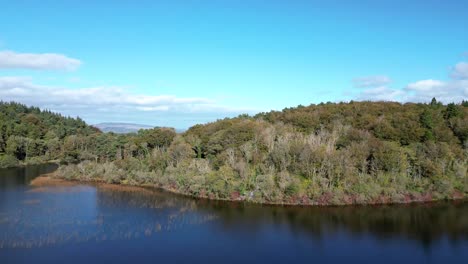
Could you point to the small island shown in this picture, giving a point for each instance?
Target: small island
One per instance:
(325, 154)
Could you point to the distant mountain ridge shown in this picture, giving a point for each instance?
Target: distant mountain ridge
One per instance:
(121, 127)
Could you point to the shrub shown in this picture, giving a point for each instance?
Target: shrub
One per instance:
(35, 160)
(267, 187)
(8, 161)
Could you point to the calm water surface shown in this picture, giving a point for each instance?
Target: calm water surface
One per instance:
(105, 224)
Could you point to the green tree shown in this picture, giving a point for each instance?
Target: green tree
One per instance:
(452, 111)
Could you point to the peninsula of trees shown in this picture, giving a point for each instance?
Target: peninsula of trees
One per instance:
(333, 153)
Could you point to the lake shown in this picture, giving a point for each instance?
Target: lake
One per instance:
(98, 223)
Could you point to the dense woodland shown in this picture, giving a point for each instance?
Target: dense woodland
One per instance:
(333, 153)
(29, 135)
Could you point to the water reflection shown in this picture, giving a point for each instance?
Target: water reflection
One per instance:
(51, 215)
(13, 178)
(423, 223)
(56, 215)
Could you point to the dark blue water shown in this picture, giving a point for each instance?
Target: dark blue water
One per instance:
(82, 223)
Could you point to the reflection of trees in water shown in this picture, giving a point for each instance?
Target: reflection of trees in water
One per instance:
(121, 214)
(146, 211)
(424, 223)
(14, 177)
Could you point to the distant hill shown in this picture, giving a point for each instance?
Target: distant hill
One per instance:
(121, 128)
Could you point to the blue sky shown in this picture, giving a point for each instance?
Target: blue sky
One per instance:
(178, 63)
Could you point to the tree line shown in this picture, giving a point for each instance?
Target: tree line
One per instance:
(330, 153)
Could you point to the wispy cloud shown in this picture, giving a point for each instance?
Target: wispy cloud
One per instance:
(74, 79)
(460, 71)
(453, 90)
(425, 86)
(381, 93)
(371, 81)
(425, 90)
(115, 103)
(23, 89)
(37, 61)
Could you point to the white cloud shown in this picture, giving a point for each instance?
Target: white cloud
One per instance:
(43, 61)
(371, 81)
(420, 91)
(425, 85)
(22, 89)
(98, 104)
(460, 71)
(381, 93)
(153, 108)
(453, 90)
(447, 92)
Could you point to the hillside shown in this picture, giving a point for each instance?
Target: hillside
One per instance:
(357, 152)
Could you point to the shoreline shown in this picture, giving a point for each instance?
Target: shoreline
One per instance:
(51, 179)
(26, 164)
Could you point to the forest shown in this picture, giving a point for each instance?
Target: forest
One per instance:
(330, 153)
